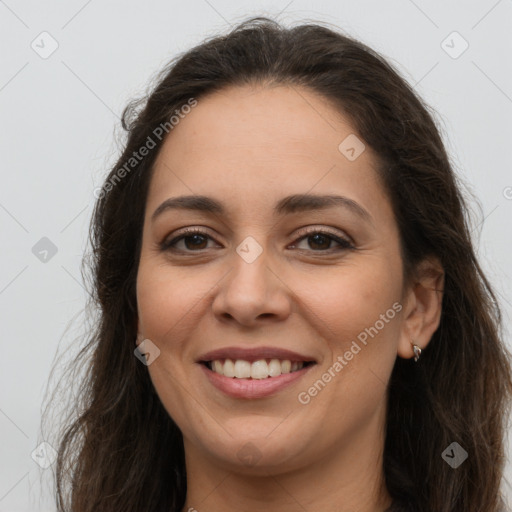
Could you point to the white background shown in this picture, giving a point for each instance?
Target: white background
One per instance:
(58, 117)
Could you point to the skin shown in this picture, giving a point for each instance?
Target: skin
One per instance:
(248, 147)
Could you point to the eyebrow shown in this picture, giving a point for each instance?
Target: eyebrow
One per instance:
(287, 205)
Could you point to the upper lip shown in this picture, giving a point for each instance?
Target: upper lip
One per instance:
(253, 354)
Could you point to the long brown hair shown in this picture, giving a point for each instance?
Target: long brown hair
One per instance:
(120, 451)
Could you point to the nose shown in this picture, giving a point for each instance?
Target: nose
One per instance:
(252, 293)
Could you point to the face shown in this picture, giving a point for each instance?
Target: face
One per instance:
(321, 280)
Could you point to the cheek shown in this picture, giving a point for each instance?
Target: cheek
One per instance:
(168, 302)
(356, 311)
(164, 300)
(172, 303)
(351, 298)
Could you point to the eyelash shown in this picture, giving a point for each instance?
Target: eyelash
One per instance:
(345, 244)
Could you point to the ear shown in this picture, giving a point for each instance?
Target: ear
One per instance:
(422, 307)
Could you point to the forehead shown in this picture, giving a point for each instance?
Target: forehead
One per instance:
(251, 143)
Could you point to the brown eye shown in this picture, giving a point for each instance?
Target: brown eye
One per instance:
(320, 241)
(193, 239)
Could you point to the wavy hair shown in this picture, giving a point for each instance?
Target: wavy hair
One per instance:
(118, 448)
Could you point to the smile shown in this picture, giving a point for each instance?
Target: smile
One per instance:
(248, 387)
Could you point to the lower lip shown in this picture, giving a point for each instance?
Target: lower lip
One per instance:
(253, 388)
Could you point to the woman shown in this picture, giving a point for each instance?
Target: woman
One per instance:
(292, 316)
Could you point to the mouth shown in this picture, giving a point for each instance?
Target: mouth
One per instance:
(261, 378)
(251, 373)
(254, 372)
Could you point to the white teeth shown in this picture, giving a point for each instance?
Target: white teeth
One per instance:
(260, 369)
(217, 366)
(242, 369)
(228, 368)
(274, 368)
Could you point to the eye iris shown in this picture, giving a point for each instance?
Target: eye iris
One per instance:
(195, 238)
(319, 236)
